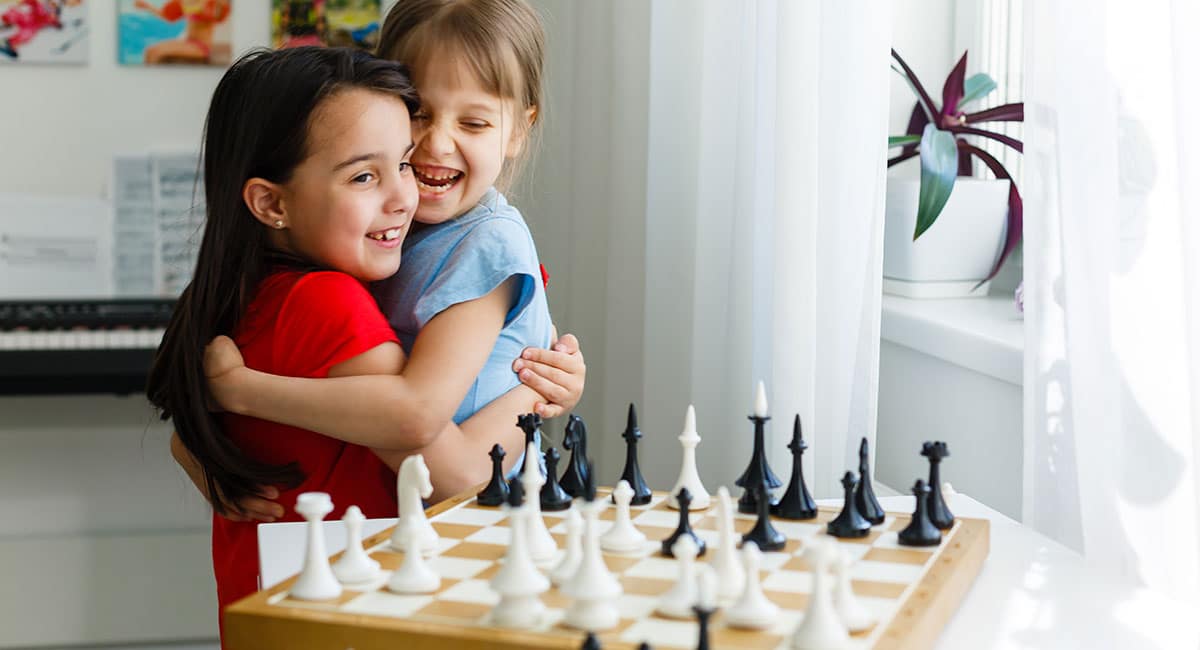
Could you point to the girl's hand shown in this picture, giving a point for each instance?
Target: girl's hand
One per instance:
(250, 508)
(558, 374)
(223, 363)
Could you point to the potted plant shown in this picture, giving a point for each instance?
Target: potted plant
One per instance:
(961, 257)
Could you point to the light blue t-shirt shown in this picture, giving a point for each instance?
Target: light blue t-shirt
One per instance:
(461, 260)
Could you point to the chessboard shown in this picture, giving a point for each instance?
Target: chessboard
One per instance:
(913, 591)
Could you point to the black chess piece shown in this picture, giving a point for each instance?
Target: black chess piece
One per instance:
(516, 494)
(529, 423)
(849, 523)
(758, 471)
(644, 646)
(796, 503)
(864, 496)
(764, 534)
(632, 473)
(684, 497)
(552, 495)
(591, 642)
(575, 441)
(920, 531)
(702, 616)
(589, 485)
(939, 514)
(496, 491)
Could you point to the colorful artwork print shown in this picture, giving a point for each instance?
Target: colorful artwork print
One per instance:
(333, 23)
(154, 32)
(43, 31)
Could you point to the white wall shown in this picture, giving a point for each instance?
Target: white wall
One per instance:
(923, 34)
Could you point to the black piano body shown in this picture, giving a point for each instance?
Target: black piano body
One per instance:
(60, 347)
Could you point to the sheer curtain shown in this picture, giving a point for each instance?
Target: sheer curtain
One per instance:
(764, 200)
(1112, 285)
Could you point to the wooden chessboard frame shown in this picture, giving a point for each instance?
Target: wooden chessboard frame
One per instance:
(254, 624)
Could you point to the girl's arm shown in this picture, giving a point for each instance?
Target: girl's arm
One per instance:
(400, 412)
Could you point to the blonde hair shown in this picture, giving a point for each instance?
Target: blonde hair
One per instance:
(502, 42)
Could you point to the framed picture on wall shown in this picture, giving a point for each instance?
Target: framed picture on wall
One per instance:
(43, 31)
(337, 23)
(163, 32)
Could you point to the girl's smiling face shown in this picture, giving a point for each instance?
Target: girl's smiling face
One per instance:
(349, 204)
(464, 134)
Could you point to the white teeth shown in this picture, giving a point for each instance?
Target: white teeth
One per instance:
(391, 234)
(436, 189)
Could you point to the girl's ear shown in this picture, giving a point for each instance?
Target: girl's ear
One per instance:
(264, 199)
(516, 141)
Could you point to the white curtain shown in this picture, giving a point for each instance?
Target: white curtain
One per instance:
(1112, 285)
(764, 202)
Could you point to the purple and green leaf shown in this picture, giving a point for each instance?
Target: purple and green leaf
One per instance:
(1016, 207)
(939, 166)
(975, 87)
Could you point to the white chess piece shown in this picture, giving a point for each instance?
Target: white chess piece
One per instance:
(412, 485)
(355, 566)
(570, 561)
(541, 543)
(854, 616)
(821, 628)
(623, 536)
(316, 581)
(752, 610)
(518, 581)
(731, 579)
(414, 576)
(683, 595)
(688, 476)
(593, 589)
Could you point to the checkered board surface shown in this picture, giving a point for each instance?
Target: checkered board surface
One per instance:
(912, 591)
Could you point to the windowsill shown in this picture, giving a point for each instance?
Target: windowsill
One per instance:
(985, 335)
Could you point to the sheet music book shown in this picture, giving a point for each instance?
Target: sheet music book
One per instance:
(54, 247)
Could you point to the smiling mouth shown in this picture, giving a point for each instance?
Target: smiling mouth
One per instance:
(386, 235)
(437, 182)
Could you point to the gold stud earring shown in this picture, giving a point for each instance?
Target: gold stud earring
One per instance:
(279, 224)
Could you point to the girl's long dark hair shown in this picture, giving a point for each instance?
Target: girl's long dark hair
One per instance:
(257, 126)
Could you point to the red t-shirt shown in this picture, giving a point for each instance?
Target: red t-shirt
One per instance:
(300, 325)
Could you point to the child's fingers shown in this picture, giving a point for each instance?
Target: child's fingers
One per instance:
(549, 411)
(542, 379)
(567, 343)
(259, 509)
(571, 363)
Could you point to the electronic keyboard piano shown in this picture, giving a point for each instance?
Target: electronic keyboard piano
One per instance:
(79, 346)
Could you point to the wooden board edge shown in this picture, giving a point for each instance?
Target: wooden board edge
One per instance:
(939, 595)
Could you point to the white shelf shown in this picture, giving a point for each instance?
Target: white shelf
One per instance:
(981, 334)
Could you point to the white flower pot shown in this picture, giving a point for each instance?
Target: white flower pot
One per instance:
(956, 252)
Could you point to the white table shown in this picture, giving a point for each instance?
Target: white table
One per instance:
(1032, 592)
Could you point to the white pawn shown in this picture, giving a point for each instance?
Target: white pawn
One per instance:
(821, 628)
(570, 561)
(683, 595)
(414, 576)
(412, 485)
(593, 589)
(518, 581)
(316, 581)
(753, 610)
(855, 617)
(731, 579)
(623, 537)
(688, 476)
(541, 543)
(355, 566)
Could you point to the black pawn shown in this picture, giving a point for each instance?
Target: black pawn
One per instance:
(864, 496)
(849, 523)
(529, 423)
(591, 642)
(575, 441)
(920, 531)
(496, 491)
(939, 514)
(685, 526)
(552, 495)
(796, 503)
(516, 494)
(702, 616)
(764, 534)
(632, 474)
